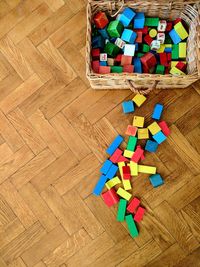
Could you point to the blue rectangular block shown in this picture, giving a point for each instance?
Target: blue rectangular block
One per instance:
(137, 65)
(128, 106)
(106, 166)
(151, 146)
(114, 145)
(168, 50)
(97, 42)
(174, 36)
(157, 111)
(126, 16)
(103, 63)
(159, 137)
(100, 185)
(139, 20)
(156, 180)
(112, 171)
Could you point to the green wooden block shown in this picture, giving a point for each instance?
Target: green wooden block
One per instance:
(121, 210)
(132, 141)
(131, 226)
(168, 39)
(175, 51)
(117, 69)
(115, 28)
(152, 22)
(160, 69)
(140, 54)
(111, 49)
(145, 48)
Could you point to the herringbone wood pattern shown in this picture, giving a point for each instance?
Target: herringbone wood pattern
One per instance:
(53, 133)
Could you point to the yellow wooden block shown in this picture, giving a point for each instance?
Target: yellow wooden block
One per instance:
(124, 194)
(120, 165)
(182, 50)
(128, 154)
(134, 168)
(153, 33)
(161, 49)
(143, 133)
(168, 45)
(146, 169)
(176, 71)
(113, 182)
(180, 30)
(154, 128)
(138, 121)
(126, 184)
(139, 99)
(174, 63)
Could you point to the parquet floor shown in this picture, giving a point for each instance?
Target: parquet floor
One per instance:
(53, 133)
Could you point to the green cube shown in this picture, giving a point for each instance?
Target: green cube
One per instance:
(131, 226)
(121, 210)
(152, 22)
(175, 51)
(111, 49)
(145, 48)
(139, 54)
(132, 141)
(160, 69)
(117, 69)
(115, 28)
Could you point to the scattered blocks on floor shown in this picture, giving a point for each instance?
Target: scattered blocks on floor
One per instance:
(101, 20)
(156, 180)
(121, 210)
(159, 137)
(154, 128)
(126, 172)
(139, 214)
(131, 225)
(157, 112)
(137, 154)
(131, 130)
(128, 106)
(133, 205)
(151, 146)
(134, 168)
(139, 99)
(110, 197)
(124, 194)
(106, 166)
(146, 169)
(165, 129)
(115, 28)
(114, 145)
(138, 121)
(128, 153)
(100, 185)
(143, 133)
(112, 171)
(132, 141)
(113, 182)
(116, 155)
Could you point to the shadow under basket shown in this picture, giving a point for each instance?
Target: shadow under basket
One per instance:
(144, 83)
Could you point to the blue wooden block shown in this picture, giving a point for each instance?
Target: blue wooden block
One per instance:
(104, 33)
(151, 146)
(157, 112)
(126, 16)
(139, 20)
(97, 42)
(159, 137)
(114, 145)
(100, 185)
(156, 180)
(168, 50)
(128, 106)
(137, 65)
(112, 171)
(136, 46)
(174, 36)
(129, 36)
(106, 166)
(103, 63)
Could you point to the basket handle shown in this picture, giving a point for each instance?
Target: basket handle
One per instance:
(141, 91)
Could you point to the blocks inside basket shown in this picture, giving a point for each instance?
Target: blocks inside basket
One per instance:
(134, 43)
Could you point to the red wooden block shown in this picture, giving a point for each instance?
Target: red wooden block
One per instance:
(145, 69)
(101, 20)
(144, 30)
(122, 159)
(139, 37)
(137, 154)
(95, 66)
(95, 53)
(142, 156)
(169, 57)
(131, 130)
(126, 172)
(135, 202)
(128, 68)
(148, 39)
(118, 58)
(104, 69)
(165, 129)
(181, 66)
(166, 71)
(110, 197)
(126, 60)
(139, 214)
(163, 59)
(177, 20)
(115, 156)
(169, 26)
(148, 60)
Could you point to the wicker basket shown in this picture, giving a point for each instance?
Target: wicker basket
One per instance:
(144, 83)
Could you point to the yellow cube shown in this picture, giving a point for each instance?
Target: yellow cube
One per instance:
(161, 49)
(126, 184)
(180, 30)
(139, 99)
(176, 71)
(113, 182)
(134, 168)
(138, 121)
(182, 50)
(124, 194)
(154, 128)
(143, 133)
(128, 154)
(147, 169)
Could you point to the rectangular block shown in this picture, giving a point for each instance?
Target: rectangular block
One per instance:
(132, 141)
(131, 226)
(138, 121)
(132, 206)
(146, 169)
(134, 168)
(154, 128)
(121, 210)
(128, 154)
(113, 182)
(159, 137)
(182, 50)
(114, 145)
(156, 180)
(137, 155)
(139, 99)
(174, 36)
(139, 214)
(131, 130)
(164, 127)
(176, 71)
(124, 194)
(143, 133)
(106, 166)
(115, 156)
(112, 171)
(126, 172)
(122, 159)
(120, 165)
(126, 184)
(100, 185)
(175, 51)
(110, 197)
(157, 112)
(181, 31)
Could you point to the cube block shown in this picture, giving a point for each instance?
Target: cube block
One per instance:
(159, 137)
(101, 20)
(156, 180)
(151, 146)
(115, 28)
(129, 50)
(113, 182)
(143, 133)
(138, 121)
(139, 21)
(128, 153)
(131, 130)
(128, 36)
(128, 106)
(126, 16)
(154, 128)
(133, 205)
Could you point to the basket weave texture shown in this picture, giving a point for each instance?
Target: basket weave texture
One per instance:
(189, 11)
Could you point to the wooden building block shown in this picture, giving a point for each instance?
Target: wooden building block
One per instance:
(132, 141)
(120, 165)
(131, 226)
(114, 145)
(131, 130)
(138, 121)
(148, 39)
(157, 112)
(174, 36)
(121, 210)
(151, 146)
(99, 185)
(128, 106)
(116, 69)
(112, 171)
(143, 133)
(126, 172)
(126, 184)
(154, 128)
(134, 168)
(115, 156)
(132, 206)
(181, 66)
(153, 33)
(129, 50)
(137, 155)
(126, 16)
(139, 20)
(146, 169)
(115, 28)
(106, 166)
(124, 194)
(139, 99)
(128, 153)
(95, 66)
(156, 180)
(101, 20)
(139, 37)
(159, 137)
(126, 60)
(164, 127)
(113, 182)
(122, 159)
(176, 71)
(162, 25)
(95, 53)
(104, 69)
(139, 214)
(182, 50)
(180, 30)
(111, 49)
(110, 197)
(120, 43)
